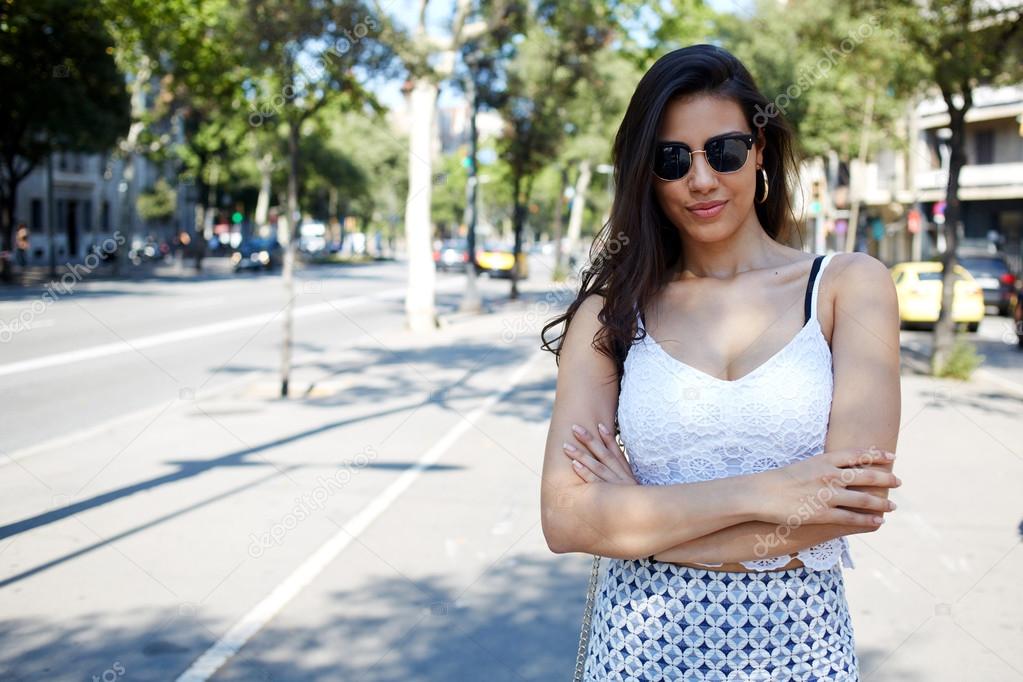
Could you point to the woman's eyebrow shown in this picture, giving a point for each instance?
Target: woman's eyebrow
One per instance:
(709, 139)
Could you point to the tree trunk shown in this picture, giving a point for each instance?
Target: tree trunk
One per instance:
(420, 313)
(559, 224)
(856, 193)
(263, 200)
(10, 198)
(471, 302)
(575, 218)
(522, 194)
(292, 221)
(944, 328)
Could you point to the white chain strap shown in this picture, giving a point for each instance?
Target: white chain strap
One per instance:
(584, 634)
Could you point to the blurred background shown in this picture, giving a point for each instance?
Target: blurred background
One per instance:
(272, 278)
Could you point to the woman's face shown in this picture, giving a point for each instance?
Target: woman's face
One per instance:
(693, 120)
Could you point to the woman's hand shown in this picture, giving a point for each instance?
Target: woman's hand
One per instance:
(598, 458)
(815, 490)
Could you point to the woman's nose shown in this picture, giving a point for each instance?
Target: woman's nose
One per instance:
(701, 175)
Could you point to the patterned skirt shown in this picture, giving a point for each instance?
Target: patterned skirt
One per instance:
(654, 620)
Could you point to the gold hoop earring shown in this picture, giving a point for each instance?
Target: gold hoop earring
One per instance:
(764, 174)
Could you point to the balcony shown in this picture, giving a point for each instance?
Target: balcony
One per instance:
(988, 181)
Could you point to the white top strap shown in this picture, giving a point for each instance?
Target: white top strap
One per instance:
(817, 284)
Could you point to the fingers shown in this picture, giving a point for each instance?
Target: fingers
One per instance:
(870, 477)
(862, 456)
(846, 517)
(607, 454)
(865, 501)
(608, 438)
(583, 473)
(597, 467)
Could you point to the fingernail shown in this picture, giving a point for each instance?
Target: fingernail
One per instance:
(878, 519)
(576, 464)
(892, 505)
(578, 429)
(889, 455)
(569, 447)
(898, 481)
(603, 429)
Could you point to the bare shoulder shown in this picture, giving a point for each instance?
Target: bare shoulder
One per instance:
(864, 299)
(584, 325)
(859, 277)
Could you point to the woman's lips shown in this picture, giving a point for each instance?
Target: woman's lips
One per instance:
(710, 212)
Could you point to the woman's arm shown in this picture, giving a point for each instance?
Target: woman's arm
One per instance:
(865, 410)
(621, 521)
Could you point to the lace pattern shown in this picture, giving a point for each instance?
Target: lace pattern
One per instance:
(681, 425)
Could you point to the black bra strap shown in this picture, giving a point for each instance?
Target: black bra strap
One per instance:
(809, 287)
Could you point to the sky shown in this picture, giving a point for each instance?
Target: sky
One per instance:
(438, 20)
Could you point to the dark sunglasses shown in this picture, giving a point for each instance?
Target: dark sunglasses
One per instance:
(725, 154)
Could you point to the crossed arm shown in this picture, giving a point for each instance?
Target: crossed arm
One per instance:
(865, 411)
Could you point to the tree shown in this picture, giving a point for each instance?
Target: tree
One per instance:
(548, 61)
(62, 91)
(963, 44)
(430, 60)
(835, 73)
(304, 57)
(593, 117)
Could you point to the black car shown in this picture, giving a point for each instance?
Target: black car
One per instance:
(994, 276)
(258, 254)
(453, 254)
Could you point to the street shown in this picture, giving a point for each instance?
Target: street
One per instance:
(166, 516)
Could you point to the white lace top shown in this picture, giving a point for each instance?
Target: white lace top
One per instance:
(681, 425)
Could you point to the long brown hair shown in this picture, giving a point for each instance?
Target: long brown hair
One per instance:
(638, 246)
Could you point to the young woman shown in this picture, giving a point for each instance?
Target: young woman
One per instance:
(755, 388)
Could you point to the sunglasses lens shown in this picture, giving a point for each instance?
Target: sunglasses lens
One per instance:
(671, 162)
(728, 155)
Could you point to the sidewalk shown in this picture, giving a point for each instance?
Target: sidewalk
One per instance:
(158, 534)
(406, 472)
(39, 275)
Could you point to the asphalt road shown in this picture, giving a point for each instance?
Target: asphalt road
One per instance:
(169, 518)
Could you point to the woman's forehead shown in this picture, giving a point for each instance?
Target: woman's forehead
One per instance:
(694, 118)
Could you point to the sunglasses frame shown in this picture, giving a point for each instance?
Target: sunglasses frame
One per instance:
(745, 137)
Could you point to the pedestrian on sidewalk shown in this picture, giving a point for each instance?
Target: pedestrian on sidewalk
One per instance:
(21, 246)
(727, 407)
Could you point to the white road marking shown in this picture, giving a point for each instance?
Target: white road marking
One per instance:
(249, 624)
(191, 333)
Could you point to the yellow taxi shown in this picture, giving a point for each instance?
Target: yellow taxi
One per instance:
(498, 260)
(918, 285)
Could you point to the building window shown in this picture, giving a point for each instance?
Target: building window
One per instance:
(984, 146)
(87, 215)
(104, 216)
(36, 223)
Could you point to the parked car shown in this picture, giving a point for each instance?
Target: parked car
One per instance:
(918, 286)
(1017, 316)
(258, 254)
(497, 260)
(994, 276)
(453, 254)
(312, 237)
